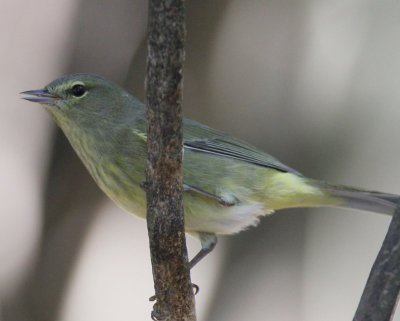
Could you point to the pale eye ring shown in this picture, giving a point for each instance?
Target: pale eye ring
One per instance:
(78, 90)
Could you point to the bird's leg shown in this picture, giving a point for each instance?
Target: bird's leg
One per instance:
(190, 188)
(208, 243)
(208, 240)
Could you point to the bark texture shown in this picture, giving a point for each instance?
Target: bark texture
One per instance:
(165, 220)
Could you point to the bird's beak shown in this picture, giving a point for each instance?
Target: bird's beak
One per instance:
(41, 96)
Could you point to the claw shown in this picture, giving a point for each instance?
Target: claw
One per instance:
(155, 313)
(153, 298)
(153, 316)
(196, 288)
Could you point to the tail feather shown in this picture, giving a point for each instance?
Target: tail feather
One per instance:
(371, 201)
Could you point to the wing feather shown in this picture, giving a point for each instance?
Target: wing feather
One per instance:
(203, 139)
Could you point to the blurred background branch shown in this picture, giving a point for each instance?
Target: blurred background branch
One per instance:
(378, 301)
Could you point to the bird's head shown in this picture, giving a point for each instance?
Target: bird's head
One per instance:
(82, 100)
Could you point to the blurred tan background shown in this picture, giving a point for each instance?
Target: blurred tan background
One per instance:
(314, 83)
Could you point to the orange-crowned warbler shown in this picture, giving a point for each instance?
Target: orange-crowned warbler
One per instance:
(228, 184)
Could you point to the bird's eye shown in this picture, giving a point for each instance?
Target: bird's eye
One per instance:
(78, 90)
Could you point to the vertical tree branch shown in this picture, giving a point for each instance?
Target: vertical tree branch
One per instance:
(379, 298)
(165, 221)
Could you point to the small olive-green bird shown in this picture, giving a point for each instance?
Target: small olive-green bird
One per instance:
(228, 184)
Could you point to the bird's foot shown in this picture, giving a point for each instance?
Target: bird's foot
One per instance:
(156, 314)
(196, 289)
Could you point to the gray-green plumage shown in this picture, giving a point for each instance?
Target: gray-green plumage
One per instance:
(230, 183)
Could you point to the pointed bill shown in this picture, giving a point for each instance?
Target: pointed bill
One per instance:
(41, 96)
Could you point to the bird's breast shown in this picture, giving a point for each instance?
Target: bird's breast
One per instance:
(117, 169)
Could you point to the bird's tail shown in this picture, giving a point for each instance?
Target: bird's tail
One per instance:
(350, 197)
